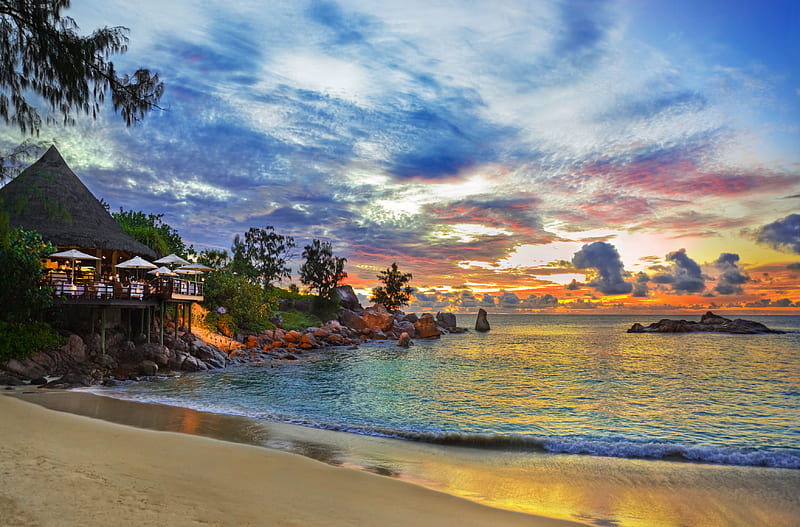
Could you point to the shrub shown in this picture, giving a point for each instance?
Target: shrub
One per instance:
(19, 340)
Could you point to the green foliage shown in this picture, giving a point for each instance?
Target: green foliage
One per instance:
(394, 293)
(19, 340)
(299, 321)
(262, 256)
(151, 230)
(20, 263)
(217, 259)
(244, 303)
(44, 58)
(322, 270)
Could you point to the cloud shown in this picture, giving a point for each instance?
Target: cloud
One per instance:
(508, 300)
(640, 288)
(730, 281)
(683, 275)
(794, 266)
(783, 234)
(603, 258)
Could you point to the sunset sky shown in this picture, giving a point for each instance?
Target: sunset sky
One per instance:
(555, 155)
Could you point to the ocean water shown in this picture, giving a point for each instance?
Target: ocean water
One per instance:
(552, 384)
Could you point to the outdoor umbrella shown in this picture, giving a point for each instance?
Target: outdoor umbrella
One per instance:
(196, 267)
(137, 262)
(162, 271)
(73, 254)
(172, 259)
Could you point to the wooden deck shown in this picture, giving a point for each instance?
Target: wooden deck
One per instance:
(131, 294)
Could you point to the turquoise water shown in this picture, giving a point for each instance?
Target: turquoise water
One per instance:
(562, 384)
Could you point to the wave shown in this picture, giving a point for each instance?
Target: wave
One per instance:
(619, 447)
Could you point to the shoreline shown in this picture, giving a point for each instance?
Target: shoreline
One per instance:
(580, 488)
(64, 469)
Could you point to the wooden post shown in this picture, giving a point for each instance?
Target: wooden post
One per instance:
(103, 330)
(161, 327)
(189, 318)
(149, 316)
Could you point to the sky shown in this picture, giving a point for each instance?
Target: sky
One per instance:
(543, 156)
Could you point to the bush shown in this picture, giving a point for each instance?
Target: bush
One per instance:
(298, 321)
(19, 340)
(246, 308)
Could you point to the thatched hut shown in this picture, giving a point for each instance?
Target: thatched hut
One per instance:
(49, 198)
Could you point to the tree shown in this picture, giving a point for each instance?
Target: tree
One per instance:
(151, 230)
(322, 270)
(263, 256)
(215, 258)
(245, 307)
(20, 260)
(43, 56)
(394, 293)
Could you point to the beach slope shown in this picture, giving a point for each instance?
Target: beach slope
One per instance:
(59, 469)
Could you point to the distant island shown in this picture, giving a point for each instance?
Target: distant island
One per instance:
(708, 323)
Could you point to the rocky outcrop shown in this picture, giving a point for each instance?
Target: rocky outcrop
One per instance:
(378, 318)
(482, 322)
(708, 323)
(446, 320)
(426, 327)
(348, 298)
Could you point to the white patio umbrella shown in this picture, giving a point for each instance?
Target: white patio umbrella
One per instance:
(196, 267)
(185, 269)
(162, 271)
(137, 262)
(172, 259)
(73, 254)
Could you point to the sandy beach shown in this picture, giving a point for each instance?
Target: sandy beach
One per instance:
(59, 469)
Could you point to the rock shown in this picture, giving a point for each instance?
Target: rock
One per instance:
(11, 380)
(292, 337)
(404, 341)
(307, 341)
(72, 378)
(277, 319)
(148, 368)
(75, 348)
(446, 320)
(708, 322)
(352, 319)
(482, 322)
(426, 327)
(348, 298)
(378, 318)
(410, 317)
(39, 381)
(404, 326)
(24, 369)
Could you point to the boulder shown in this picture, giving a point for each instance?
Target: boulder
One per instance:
(708, 322)
(410, 317)
(11, 380)
(404, 341)
(75, 348)
(348, 298)
(352, 319)
(426, 327)
(148, 368)
(24, 369)
(446, 320)
(307, 341)
(404, 326)
(482, 322)
(378, 318)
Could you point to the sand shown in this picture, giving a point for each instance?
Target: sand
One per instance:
(59, 469)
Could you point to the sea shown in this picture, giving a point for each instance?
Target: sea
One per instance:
(545, 393)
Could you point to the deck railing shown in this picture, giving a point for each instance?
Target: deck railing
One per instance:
(159, 288)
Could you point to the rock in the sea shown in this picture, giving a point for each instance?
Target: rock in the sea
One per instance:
(482, 322)
(426, 327)
(404, 341)
(378, 318)
(446, 320)
(708, 323)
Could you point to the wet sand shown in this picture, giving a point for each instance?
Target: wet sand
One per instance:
(60, 469)
(589, 490)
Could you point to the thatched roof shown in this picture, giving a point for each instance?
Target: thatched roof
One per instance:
(48, 197)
